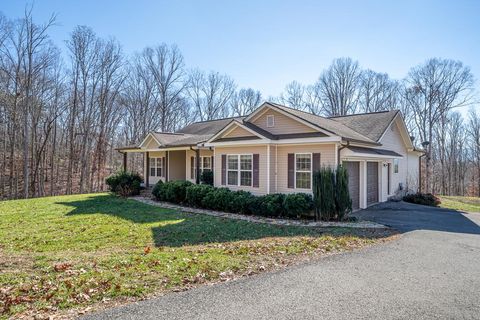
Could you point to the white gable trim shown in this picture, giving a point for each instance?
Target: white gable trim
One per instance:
(264, 108)
(228, 128)
(149, 135)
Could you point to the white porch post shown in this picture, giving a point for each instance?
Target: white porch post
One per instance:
(363, 184)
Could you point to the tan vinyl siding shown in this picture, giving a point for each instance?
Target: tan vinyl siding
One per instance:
(392, 140)
(283, 124)
(151, 143)
(176, 165)
(238, 132)
(327, 158)
(261, 150)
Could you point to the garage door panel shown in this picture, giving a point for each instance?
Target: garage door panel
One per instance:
(353, 169)
(372, 182)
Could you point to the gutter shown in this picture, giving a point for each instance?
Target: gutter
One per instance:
(343, 146)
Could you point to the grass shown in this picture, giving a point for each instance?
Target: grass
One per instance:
(468, 204)
(59, 253)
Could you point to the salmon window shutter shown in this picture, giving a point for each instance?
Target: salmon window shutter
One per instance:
(256, 170)
(224, 169)
(192, 167)
(316, 162)
(291, 170)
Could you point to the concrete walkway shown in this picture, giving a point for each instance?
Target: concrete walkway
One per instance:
(429, 273)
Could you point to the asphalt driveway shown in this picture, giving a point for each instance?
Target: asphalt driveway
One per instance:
(431, 272)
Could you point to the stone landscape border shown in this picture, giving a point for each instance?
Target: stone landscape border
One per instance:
(258, 219)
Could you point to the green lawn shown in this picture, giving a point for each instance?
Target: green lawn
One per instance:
(59, 253)
(468, 204)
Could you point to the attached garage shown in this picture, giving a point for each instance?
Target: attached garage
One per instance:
(372, 183)
(353, 169)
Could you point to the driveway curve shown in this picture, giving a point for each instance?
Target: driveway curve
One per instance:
(432, 271)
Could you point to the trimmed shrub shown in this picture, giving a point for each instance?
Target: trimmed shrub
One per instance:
(173, 191)
(196, 193)
(298, 205)
(124, 183)
(343, 202)
(426, 199)
(158, 190)
(241, 202)
(218, 199)
(207, 177)
(270, 205)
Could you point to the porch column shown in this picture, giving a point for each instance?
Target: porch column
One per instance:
(167, 166)
(197, 160)
(147, 166)
(363, 185)
(124, 161)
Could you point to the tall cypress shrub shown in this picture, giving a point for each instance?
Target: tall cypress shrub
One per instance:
(343, 201)
(324, 194)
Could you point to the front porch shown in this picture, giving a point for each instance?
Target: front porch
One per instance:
(171, 164)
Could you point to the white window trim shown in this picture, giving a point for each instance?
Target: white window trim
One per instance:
(396, 164)
(239, 170)
(295, 171)
(201, 165)
(270, 116)
(158, 164)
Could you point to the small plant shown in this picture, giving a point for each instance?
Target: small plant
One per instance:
(207, 177)
(426, 199)
(125, 183)
(196, 193)
(298, 205)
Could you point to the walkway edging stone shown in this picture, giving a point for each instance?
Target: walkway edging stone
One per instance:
(258, 219)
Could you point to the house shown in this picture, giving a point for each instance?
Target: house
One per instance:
(275, 149)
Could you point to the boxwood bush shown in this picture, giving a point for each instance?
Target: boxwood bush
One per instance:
(196, 193)
(298, 205)
(270, 205)
(223, 199)
(171, 191)
(426, 199)
(124, 183)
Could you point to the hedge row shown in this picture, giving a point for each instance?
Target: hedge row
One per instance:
(297, 205)
(124, 183)
(426, 199)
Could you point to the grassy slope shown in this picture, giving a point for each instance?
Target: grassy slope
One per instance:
(64, 252)
(468, 204)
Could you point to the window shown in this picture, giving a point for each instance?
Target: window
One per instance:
(270, 121)
(205, 164)
(303, 170)
(156, 167)
(395, 165)
(239, 169)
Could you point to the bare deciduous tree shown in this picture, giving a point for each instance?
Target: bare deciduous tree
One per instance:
(245, 101)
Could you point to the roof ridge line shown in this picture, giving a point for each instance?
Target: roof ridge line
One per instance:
(363, 113)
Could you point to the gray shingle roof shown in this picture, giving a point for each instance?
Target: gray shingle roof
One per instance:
(371, 125)
(327, 124)
(208, 127)
(166, 138)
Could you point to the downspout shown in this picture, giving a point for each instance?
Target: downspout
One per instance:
(343, 146)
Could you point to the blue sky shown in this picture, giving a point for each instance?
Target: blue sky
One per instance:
(266, 44)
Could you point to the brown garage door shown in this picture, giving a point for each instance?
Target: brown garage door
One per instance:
(353, 182)
(372, 182)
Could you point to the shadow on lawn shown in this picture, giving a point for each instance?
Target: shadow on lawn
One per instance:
(184, 229)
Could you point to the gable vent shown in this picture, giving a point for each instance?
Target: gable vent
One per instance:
(270, 121)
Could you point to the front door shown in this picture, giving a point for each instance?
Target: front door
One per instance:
(372, 183)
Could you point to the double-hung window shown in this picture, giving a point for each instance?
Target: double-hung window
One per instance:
(303, 170)
(239, 169)
(156, 167)
(205, 164)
